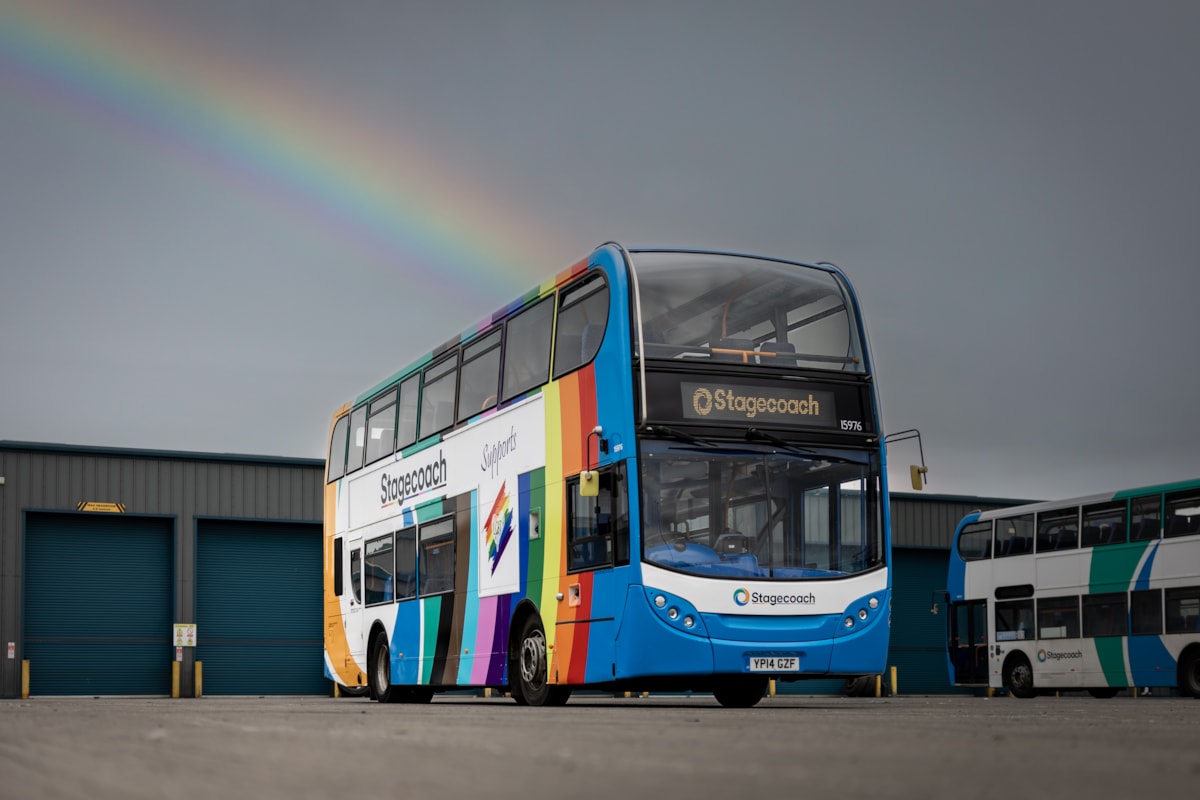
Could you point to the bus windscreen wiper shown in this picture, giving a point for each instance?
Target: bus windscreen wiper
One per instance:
(757, 435)
(677, 435)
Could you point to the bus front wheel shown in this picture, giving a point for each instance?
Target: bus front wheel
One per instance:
(1189, 672)
(380, 675)
(533, 685)
(1018, 677)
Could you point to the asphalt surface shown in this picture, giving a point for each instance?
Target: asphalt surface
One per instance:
(599, 747)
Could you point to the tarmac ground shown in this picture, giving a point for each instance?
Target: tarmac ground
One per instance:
(272, 748)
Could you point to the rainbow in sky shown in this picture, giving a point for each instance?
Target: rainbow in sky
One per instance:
(147, 79)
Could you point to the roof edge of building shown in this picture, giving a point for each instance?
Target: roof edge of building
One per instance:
(164, 455)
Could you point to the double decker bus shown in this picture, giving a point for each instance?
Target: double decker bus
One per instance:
(1096, 593)
(659, 471)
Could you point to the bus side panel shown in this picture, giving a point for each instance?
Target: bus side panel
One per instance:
(406, 641)
(471, 658)
(1152, 660)
(339, 663)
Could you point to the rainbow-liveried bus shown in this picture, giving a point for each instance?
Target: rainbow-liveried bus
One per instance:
(1097, 593)
(662, 470)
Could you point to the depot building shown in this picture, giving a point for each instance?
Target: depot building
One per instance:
(122, 571)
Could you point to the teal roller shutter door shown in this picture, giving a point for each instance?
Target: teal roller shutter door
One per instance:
(98, 604)
(818, 686)
(258, 608)
(918, 643)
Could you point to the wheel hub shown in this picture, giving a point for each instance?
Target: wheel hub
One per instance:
(533, 660)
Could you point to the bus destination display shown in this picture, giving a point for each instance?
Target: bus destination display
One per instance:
(782, 405)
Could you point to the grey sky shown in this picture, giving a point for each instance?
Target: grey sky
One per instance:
(1013, 188)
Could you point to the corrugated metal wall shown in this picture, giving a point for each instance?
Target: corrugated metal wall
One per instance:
(929, 520)
(180, 486)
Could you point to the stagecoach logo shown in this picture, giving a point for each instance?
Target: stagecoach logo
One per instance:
(779, 404)
(394, 489)
(744, 597)
(1050, 655)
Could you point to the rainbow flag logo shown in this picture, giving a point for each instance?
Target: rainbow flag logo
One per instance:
(499, 526)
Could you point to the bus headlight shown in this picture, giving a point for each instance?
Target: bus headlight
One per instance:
(873, 603)
(862, 614)
(849, 622)
(675, 611)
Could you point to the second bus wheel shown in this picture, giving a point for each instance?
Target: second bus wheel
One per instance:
(1018, 676)
(532, 686)
(1189, 672)
(379, 675)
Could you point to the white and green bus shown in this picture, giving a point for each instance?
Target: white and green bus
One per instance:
(1096, 593)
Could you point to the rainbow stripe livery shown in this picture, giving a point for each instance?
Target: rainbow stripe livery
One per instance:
(537, 506)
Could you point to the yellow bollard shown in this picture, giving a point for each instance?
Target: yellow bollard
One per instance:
(25, 679)
(771, 688)
(878, 685)
(199, 679)
(893, 671)
(174, 679)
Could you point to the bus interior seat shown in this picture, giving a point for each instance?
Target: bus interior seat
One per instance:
(1183, 526)
(691, 554)
(783, 348)
(1092, 534)
(1148, 528)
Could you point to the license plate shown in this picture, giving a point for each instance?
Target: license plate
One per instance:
(774, 664)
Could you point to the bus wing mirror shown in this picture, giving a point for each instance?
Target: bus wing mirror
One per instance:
(917, 474)
(589, 483)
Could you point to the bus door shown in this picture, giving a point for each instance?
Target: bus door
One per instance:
(969, 642)
(598, 562)
(355, 636)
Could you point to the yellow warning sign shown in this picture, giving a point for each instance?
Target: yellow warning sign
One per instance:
(92, 505)
(185, 634)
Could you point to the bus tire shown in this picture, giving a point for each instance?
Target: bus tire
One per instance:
(1189, 672)
(1018, 676)
(380, 675)
(740, 692)
(533, 686)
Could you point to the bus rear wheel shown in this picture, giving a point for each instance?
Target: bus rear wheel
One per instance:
(740, 692)
(1189, 672)
(1018, 677)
